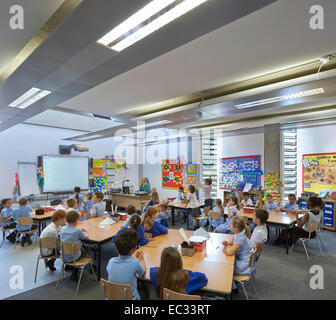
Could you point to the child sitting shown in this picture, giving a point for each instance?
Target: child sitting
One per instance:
(217, 209)
(23, 211)
(7, 218)
(124, 268)
(231, 211)
(98, 209)
(246, 202)
(291, 206)
(163, 214)
(270, 204)
(70, 233)
(180, 194)
(89, 203)
(171, 275)
(260, 233)
(149, 224)
(239, 246)
(131, 211)
(72, 204)
(79, 198)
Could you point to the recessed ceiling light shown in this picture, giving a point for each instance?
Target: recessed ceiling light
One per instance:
(291, 96)
(157, 123)
(149, 19)
(28, 98)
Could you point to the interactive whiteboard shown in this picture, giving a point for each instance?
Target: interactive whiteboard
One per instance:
(62, 174)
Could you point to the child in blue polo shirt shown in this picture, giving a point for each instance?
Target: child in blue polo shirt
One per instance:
(7, 218)
(78, 197)
(291, 206)
(98, 210)
(70, 233)
(163, 214)
(89, 203)
(125, 269)
(270, 204)
(23, 211)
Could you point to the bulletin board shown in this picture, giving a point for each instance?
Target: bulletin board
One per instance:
(108, 173)
(235, 172)
(172, 172)
(318, 172)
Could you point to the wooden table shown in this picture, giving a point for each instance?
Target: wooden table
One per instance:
(179, 206)
(124, 200)
(212, 262)
(276, 219)
(99, 235)
(41, 218)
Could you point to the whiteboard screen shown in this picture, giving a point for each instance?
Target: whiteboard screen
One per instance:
(28, 179)
(65, 173)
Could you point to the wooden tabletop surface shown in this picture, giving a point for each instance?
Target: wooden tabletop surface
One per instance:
(42, 216)
(274, 217)
(178, 205)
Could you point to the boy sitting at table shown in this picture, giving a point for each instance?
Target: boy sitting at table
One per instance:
(246, 202)
(7, 218)
(270, 204)
(99, 207)
(125, 269)
(291, 206)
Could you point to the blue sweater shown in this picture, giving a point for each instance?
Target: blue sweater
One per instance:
(141, 240)
(196, 281)
(156, 230)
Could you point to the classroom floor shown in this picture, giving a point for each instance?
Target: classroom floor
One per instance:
(279, 276)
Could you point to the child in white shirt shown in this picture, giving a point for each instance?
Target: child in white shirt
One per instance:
(260, 233)
(246, 202)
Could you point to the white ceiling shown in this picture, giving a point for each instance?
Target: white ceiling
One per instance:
(36, 14)
(270, 39)
(58, 119)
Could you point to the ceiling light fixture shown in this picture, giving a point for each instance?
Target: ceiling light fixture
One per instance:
(287, 97)
(157, 123)
(146, 21)
(28, 98)
(90, 137)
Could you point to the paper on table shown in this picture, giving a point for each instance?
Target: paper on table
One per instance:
(60, 207)
(183, 234)
(198, 239)
(107, 220)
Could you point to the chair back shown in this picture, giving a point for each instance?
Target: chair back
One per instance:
(148, 235)
(215, 215)
(248, 231)
(1, 220)
(313, 227)
(172, 295)
(48, 243)
(116, 291)
(25, 221)
(245, 218)
(252, 261)
(70, 248)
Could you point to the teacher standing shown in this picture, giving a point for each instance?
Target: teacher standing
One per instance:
(144, 185)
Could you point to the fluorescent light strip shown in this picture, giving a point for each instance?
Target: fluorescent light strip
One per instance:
(90, 137)
(142, 126)
(158, 23)
(28, 98)
(142, 15)
(281, 98)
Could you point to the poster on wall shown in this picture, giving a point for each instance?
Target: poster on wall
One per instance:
(236, 172)
(172, 173)
(318, 172)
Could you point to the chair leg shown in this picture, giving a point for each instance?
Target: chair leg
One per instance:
(79, 281)
(242, 283)
(94, 272)
(60, 275)
(37, 265)
(17, 239)
(292, 247)
(3, 238)
(322, 244)
(318, 243)
(305, 248)
(254, 286)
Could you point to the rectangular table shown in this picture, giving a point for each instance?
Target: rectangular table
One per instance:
(41, 218)
(124, 200)
(212, 262)
(179, 206)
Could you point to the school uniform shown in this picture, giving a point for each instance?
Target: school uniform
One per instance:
(23, 211)
(194, 204)
(247, 203)
(88, 205)
(181, 196)
(149, 204)
(303, 232)
(259, 235)
(216, 222)
(156, 230)
(225, 227)
(242, 255)
(271, 206)
(294, 206)
(79, 201)
(196, 280)
(163, 218)
(207, 196)
(99, 208)
(5, 214)
(141, 236)
(73, 234)
(125, 270)
(51, 231)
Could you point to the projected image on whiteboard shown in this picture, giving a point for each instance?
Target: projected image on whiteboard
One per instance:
(64, 173)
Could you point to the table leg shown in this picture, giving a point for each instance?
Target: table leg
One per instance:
(39, 226)
(287, 234)
(98, 263)
(188, 215)
(173, 216)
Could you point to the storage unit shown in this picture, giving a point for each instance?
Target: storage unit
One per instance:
(329, 222)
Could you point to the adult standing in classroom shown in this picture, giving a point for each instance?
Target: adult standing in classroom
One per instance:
(144, 185)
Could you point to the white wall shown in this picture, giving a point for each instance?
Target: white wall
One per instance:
(26, 142)
(243, 145)
(313, 140)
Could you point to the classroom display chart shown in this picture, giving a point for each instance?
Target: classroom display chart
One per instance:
(236, 172)
(172, 172)
(99, 184)
(318, 172)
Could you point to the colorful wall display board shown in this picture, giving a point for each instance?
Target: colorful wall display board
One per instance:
(236, 172)
(172, 172)
(318, 172)
(272, 186)
(108, 173)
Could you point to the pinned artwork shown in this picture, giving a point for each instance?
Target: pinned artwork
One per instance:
(172, 172)
(272, 186)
